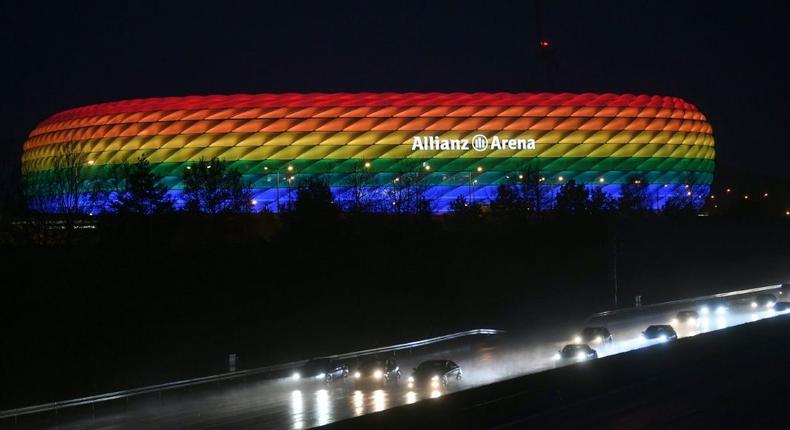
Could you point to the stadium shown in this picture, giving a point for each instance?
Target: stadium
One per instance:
(369, 142)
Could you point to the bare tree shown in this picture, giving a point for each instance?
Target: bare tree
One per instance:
(361, 194)
(534, 190)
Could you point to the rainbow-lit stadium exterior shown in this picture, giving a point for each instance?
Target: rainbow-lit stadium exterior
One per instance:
(275, 140)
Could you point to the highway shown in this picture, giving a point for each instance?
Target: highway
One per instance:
(287, 403)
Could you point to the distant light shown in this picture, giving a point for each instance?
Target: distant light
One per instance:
(601, 179)
(577, 339)
(560, 179)
(521, 176)
(754, 305)
(728, 190)
(542, 179)
(397, 179)
(712, 196)
(296, 376)
(688, 193)
(254, 202)
(746, 197)
(357, 375)
(209, 166)
(544, 44)
(765, 195)
(321, 375)
(290, 168)
(637, 182)
(367, 164)
(787, 213)
(427, 167)
(90, 162)
(479, 168)
(265, 168)
(189, 167)
(687, 186)
(378, 374)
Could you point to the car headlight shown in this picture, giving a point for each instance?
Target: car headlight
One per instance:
(598, 339)
(435, 378)
(378, 374)
(296, 376)
(721, 309)
(320, 375)
(674, 321)
(769, 305)
(704, 310)
(556, 357)
(691, 321)
(411, 378)
(577, 339)
(754, 304)
(581, 356)
(663, 338)
(357, 375)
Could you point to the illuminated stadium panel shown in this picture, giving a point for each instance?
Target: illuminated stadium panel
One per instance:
(602, 140)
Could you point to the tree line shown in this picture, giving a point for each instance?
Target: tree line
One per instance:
(213, 187)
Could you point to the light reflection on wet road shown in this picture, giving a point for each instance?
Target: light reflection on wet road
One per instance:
(297, 404)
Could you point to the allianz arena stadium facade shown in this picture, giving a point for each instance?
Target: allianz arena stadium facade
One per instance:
(277, 140)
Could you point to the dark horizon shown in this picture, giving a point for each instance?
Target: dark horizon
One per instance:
(725, 59)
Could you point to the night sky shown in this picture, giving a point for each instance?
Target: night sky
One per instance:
(729, 58)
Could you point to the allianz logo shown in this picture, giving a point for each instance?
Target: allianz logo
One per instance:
(479, 142)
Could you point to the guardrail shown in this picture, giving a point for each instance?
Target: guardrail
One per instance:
(682, 301)
(90, 400)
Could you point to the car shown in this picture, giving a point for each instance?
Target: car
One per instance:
(435, 374)
(717, 306)
(593, 335)
(574, 353)
(660, 332)
(764, 301)
(322, 369)
(782, 306)
(376, 370)
(687, 318)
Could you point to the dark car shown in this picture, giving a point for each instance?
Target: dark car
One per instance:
(717, 306)
(322, 369)
(376, 370)
(686, 318)
(594, 335)
(435, 373)
(574, 353)
(782, 306)
(659, 332)
(764, 301)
